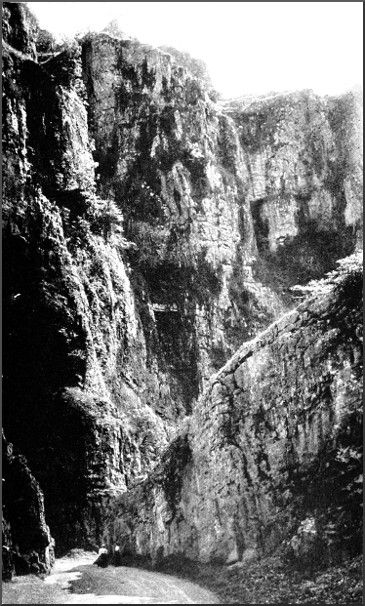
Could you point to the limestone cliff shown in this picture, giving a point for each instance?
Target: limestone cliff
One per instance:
(272, 452)
(85, 427)
(303, 156)
(148, 231)
(26, 542)
(228, 204)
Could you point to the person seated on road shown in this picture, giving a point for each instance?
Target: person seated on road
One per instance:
(117, 557)
(103, 557)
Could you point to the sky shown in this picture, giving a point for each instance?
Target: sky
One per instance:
(249, 47)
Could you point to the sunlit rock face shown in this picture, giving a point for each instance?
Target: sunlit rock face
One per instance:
(303, 158)
(266, 457)
(148, 230)
(243, 198)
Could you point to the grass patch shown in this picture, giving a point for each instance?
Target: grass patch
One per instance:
(272, 581)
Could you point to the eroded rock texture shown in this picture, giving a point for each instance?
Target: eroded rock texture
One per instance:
(148, 231)
(229, 204)
(26, 541)
(75, 391)
(272, 452)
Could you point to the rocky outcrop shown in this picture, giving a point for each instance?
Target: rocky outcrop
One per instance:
(148, 231)
(273, 449)
(27, 546)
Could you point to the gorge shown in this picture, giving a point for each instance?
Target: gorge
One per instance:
(182, 309)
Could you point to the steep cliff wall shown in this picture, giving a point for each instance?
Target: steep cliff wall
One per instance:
(303, 156)
(148, 231)
(73, 374)
(229, 204)
(272, 452)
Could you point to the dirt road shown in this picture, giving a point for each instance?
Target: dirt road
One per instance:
(75, 580)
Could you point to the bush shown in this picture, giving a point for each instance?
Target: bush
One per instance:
(105, 217)
(95, 216)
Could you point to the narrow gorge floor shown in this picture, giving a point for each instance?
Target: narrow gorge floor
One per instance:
(75, 580)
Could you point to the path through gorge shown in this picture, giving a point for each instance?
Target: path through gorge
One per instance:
(182, 307)
(76, 580)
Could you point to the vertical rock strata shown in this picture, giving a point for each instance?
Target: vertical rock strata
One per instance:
(75, 393)
(148, 231)
(274, 445)
(228, 204)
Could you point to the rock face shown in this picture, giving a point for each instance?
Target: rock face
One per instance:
(229, 204)
(26, 541)
(148, 231)
(303, 157)
(273, 449)
(85, 427)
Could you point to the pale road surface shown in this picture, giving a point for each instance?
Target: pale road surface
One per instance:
(112, 585)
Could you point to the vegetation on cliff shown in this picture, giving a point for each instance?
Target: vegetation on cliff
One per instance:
(150, 233)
